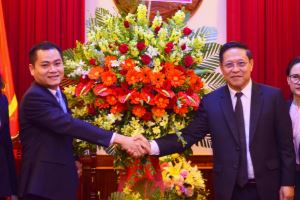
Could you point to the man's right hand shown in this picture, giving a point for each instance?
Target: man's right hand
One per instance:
(135, 146)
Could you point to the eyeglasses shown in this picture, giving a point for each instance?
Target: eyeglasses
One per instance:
(240, 64)
(295, 78)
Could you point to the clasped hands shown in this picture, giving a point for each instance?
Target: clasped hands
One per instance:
(136, 146)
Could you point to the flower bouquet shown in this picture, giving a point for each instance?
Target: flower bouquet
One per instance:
(133, 76)
(181, 180)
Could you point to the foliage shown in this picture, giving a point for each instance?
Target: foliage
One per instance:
(133, 76)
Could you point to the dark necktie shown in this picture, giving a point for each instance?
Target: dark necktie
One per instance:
(242, 178)
(61, 101)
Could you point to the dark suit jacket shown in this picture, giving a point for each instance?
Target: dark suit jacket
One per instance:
(8, 180)
(47, 166)
(271, 144)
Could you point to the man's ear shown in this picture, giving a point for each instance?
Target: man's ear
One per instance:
(288, 80)
(31, 69)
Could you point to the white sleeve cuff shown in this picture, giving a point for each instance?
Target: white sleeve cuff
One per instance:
(112, 139)
(154, 148)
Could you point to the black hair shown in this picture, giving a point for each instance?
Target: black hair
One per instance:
(45, 45)
(234, 44)
(293, 62)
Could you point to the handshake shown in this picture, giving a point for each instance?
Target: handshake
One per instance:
(136, 146)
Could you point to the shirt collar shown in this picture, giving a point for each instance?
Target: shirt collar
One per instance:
(246, 91)
(54, 91)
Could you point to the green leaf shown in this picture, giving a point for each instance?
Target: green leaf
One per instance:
(210, 34)
(101, 15)
(69, 54)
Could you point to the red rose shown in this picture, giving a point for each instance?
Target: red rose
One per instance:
(187, 31)
(141, 46)
(170, 45)
(188, 61)
(167, 50)
(183, 47)
(146, 59)
(123, 48)
(126, 24)
(92, 61)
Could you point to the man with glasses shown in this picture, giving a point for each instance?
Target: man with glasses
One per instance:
(251, 134)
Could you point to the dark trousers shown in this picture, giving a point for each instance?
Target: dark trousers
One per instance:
(33, 197)
(248, 192)
(2, 198)
(297, 185)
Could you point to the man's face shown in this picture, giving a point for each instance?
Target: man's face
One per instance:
(294, 80)
(48, 69)
(236, 68)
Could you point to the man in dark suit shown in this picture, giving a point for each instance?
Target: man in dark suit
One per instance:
(251, 134)
(8, 179)
(47, 129)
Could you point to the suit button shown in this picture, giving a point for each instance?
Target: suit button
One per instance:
(237, 148)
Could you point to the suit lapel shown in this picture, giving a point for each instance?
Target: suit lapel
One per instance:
(226, 106)
(47, 93)
(255, 109)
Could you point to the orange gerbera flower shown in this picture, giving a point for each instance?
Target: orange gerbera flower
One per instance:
(180, 110)
(192, 77)
(128, 64)
(161, 101)
(157, 79)
(158, 112)
(138, 110)
(168, 66)
(176, 78)
(198, 85)
(136, 97)
(132, 77)
(111, 99)
(95, 72)
(109, 78)
(108, 60)
(146, 74)
(101, 103)
(117, 108)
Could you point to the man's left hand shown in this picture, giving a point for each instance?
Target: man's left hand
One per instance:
(286, 193)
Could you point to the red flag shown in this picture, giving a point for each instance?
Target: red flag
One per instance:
(6, 71)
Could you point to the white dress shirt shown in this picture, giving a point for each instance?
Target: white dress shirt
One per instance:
(295, 116)
(246, 101)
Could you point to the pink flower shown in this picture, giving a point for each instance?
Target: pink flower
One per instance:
(184, 173)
